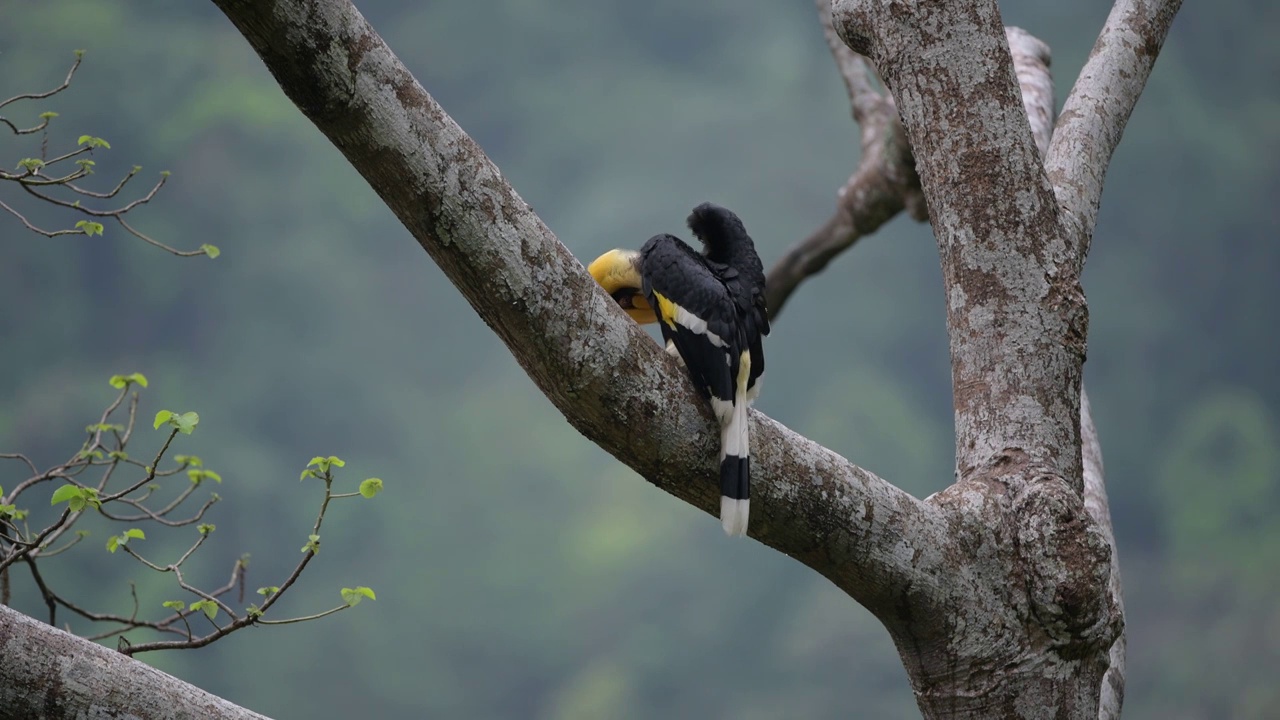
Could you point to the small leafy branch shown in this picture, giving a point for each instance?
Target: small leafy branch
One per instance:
(87, 489)
(52, 180)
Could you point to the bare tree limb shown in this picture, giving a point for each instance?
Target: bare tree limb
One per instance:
(1031, 60)
(884, 184)
(1098, 108)
(68, 677)
(1095, 502)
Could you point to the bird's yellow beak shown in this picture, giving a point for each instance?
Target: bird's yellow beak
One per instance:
(618, 272)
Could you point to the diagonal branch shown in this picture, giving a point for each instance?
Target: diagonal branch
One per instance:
(1098, 108)
(884, 184)
(598, 368)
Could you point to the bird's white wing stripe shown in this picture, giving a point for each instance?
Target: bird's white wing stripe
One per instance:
(697, 325)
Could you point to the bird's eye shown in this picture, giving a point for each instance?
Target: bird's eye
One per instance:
(626, 297)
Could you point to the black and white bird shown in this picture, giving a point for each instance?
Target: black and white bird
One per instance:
(710, 308)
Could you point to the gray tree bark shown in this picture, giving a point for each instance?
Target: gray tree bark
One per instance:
(47, 673)
(1001, 592)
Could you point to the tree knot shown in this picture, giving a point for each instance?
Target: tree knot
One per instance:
(1067, 567)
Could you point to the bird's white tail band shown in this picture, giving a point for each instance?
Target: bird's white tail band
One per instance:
(735, 449)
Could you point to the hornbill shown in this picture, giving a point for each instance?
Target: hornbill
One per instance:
(710, 307)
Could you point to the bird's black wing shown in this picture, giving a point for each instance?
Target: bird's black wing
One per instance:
(731, 254)
(695, 312)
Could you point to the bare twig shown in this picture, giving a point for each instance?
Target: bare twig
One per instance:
(290, 621)
(106, 195)
(23, 458)
(26, 548)
(40, 96)
(33, 228)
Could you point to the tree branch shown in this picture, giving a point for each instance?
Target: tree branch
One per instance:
(884, 184)
(1031, 60)
(69, 677)
(1096, 504)
(1098, 108)
(600, 369)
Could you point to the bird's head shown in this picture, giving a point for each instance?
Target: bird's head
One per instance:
(618, 272)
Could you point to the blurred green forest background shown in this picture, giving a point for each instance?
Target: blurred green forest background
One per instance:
(522, 572)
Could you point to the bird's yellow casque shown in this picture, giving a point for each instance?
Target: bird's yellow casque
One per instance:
(618, 272)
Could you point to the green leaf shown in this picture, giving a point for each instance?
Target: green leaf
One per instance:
(353, 596)
(323, 463)
(113, 543)
(20, 514)
(268, 591)
(313, 544)
(103, 427)
(190, 460)
(86, 454)
(253, 611)
(8, 510)
(82, 533)
(306, 474)
(31, 164)
(93, 142)
(206, 528)
(48, 115)
(89, 227)
(86, 165)
(174, 604)
(164, 173)
(211, 250)
(120, 381)
(118, 455)
(186, 422)
(66, 493)
(209, 607)
(135, 533)
(371, 487)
